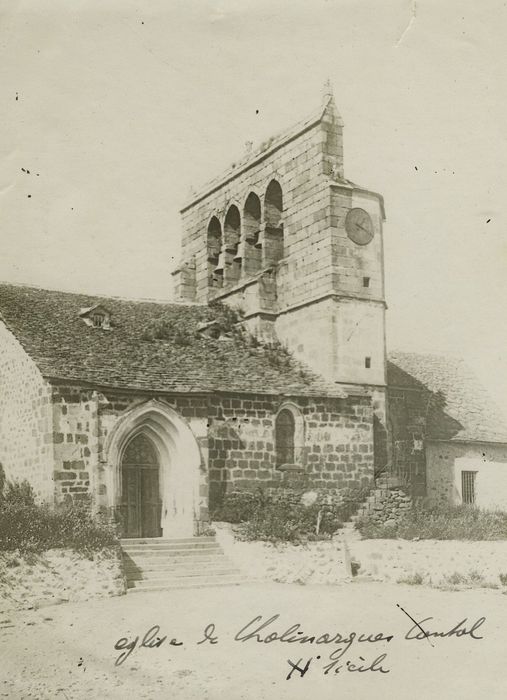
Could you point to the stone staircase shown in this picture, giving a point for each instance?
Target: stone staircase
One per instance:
(379, 493)
(375, 496)
(157, 564)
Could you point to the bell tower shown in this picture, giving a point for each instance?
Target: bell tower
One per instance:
(287, 237)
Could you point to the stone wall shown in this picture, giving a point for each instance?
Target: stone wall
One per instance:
(436, 562)
(236, 438)
(387, 506)
(26, 431)
(447, 460)
(324, 562)
(337, 453)
(58, 575)
(84, 419)
(76, 441)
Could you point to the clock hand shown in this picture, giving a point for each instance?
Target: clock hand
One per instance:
(362, 228)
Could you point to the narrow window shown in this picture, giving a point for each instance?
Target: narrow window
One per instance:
(367, 362)
(98, 320)
(468, 487)
(284, 436)
(366, 281)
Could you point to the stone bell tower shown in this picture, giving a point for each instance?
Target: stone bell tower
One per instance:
(287, 237)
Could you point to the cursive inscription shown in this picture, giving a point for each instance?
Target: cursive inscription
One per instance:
(151, 640)
(257, 630)
(347, 651)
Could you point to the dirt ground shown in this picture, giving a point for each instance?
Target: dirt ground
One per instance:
(68, 651)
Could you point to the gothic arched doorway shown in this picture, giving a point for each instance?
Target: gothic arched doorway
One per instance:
(153, 463)
(141, 502)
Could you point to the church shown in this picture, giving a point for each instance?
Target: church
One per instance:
(268, 370)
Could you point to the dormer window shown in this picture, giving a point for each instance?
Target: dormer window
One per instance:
(210, 329)
(97, 317)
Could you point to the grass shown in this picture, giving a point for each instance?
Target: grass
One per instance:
(282, 517)
(451, 582)
(441, 523)
(28, 526)
(471, 579)
(416, 579)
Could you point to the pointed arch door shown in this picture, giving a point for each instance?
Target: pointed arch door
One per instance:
(141, 502)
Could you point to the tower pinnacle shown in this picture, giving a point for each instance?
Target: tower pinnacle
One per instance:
(327, 92)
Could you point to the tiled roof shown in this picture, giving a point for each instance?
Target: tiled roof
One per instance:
(48, 326)
(462, 408)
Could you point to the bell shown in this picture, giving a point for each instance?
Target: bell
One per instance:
(240, 253)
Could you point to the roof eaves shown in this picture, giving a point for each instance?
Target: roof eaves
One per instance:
(469, 440)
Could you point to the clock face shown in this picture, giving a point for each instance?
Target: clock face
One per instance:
(359, 226)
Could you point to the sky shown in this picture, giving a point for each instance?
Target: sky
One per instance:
(117, 108)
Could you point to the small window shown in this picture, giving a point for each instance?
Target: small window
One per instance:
(96, 316)
(468, 487)
(366, 281)
(285, 429)
(367, 362)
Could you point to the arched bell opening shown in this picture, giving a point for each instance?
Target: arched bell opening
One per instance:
(273, 223)
(232, 252)
(214, 248)
(252, 234)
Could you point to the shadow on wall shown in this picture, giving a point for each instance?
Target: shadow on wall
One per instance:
(427, 408)
(224, 438)
(415, 413)
(380, 457)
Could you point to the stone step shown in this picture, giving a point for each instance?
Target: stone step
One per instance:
(172, 575)
(172, 562)
(183, 564)
(125, 542)
(149, 587)
(157, 544)
(162, 551)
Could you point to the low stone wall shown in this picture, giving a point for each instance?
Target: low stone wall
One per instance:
(58, 575)
(434, 562)
(389, 506)
(316, 562)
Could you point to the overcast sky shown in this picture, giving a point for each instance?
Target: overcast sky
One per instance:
(118, 108)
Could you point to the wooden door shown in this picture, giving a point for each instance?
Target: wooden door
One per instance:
(141, 503)
(150, 503)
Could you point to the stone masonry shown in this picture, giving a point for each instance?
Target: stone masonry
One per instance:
(26, 432)
(269, 237)
(236, 438)
(337, 454)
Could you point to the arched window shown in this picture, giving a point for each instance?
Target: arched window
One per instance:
(273, 212)
(252, 229)
(285, 430)
(232, 235)
(214, 242)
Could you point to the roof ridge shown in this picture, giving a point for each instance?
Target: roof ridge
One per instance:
(415, 353)
(268, 144)
(115, 297)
